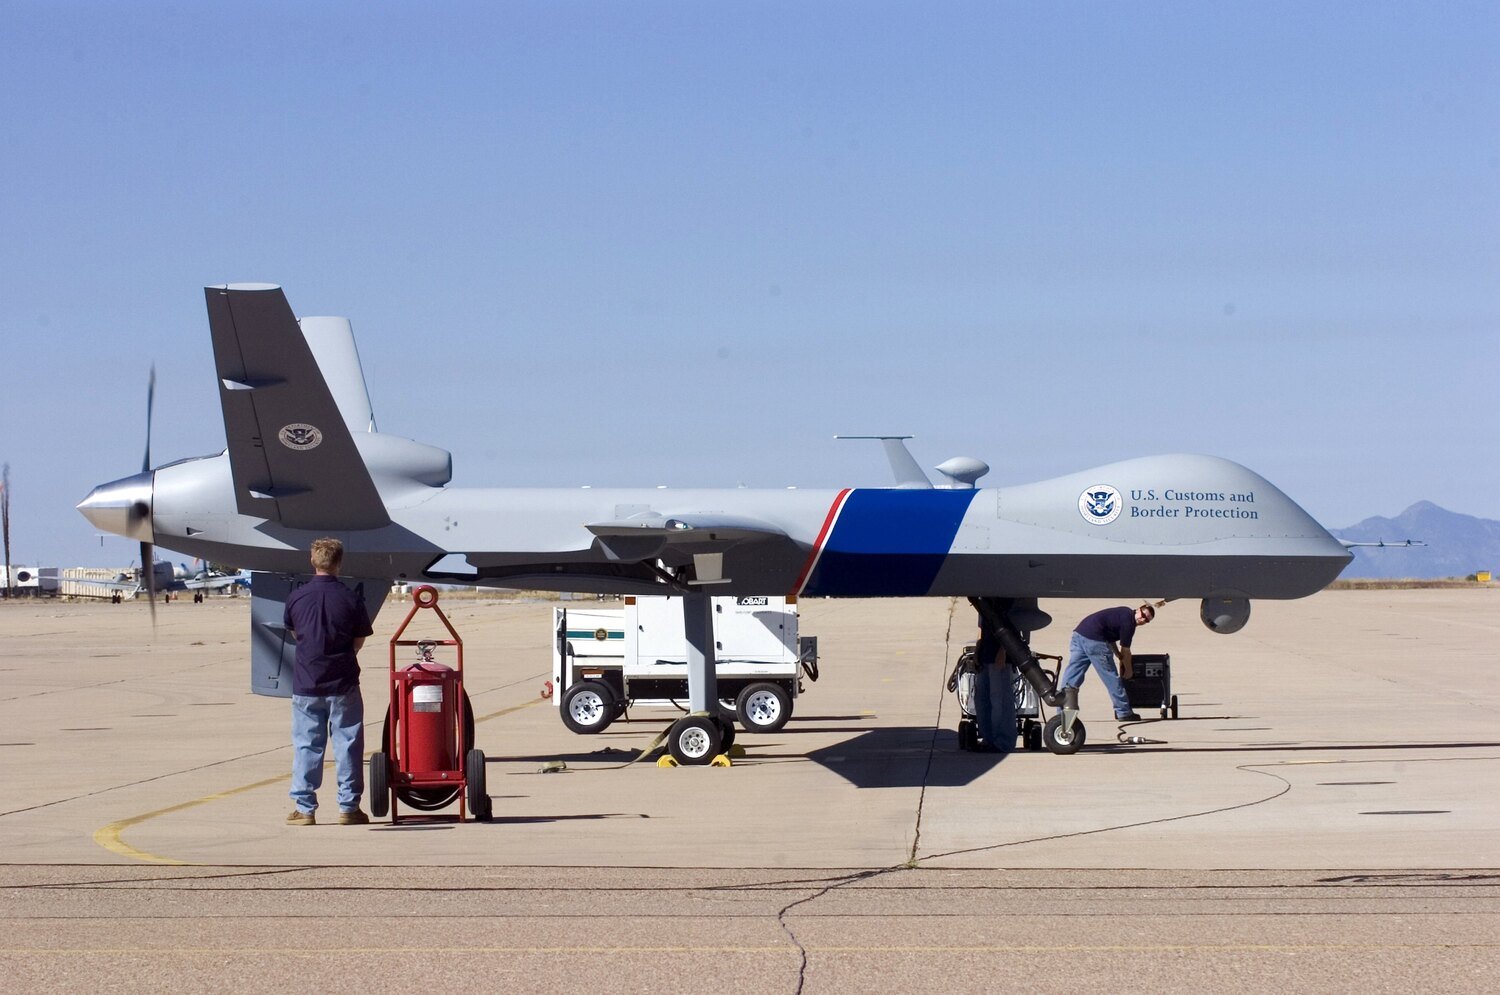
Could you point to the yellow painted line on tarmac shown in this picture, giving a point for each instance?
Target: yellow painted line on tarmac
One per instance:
(109, 836)
(508, 711)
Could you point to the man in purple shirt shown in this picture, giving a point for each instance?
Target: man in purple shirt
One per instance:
(330, 624)
(1100, 638)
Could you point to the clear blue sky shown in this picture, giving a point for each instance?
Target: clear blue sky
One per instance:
(686, 243)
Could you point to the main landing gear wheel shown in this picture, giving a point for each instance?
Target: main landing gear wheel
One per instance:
(589, 707)
(1063, 743)
(379, 785)
(474, 786)
(764, 707)
(695, 741)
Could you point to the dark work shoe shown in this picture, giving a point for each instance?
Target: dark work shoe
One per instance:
(1128, 717)
(353, 818)
(301, 818)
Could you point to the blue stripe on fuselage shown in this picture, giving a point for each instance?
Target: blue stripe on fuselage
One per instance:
(889, 543)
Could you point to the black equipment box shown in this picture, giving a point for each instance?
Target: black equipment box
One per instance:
(1150, 684)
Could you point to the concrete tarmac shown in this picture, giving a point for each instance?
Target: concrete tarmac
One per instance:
(1322, 815)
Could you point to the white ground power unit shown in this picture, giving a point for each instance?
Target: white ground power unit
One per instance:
(605, 661)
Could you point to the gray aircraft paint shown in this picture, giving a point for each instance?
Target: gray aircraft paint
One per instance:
(303, 461)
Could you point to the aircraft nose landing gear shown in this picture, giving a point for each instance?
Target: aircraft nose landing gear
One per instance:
(1064, 733)
(704, 734)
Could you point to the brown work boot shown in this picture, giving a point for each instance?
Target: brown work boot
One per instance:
(301, 818)
(354, 817)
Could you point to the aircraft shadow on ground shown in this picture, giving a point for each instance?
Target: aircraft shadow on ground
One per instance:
(904, 757)
(897, 757)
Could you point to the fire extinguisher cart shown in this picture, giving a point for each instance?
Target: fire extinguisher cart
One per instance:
(429, 727)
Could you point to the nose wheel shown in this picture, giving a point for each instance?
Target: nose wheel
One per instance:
(1060, 740)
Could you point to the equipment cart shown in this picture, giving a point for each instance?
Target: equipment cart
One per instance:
(1028, 705)
(1150, 683)
(605, 660)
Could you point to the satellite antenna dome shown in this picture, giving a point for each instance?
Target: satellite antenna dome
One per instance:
(963, 470)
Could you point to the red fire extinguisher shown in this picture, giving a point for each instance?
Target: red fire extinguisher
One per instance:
(426, 758)
(430, 737)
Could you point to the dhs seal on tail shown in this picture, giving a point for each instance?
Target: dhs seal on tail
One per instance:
(300, 436)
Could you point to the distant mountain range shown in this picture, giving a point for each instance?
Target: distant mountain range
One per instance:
(1457, 545)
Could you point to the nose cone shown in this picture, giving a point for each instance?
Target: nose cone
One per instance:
(122, 507)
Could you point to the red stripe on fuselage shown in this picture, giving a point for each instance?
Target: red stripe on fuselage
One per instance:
(817, 550)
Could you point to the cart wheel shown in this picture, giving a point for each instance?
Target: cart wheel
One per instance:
(588, 707)
(694, 741)
(1057, 742)
(763, 707)
(1033, 736)
(967, 739)
(380, 785)
(474, 785)
(1174, 706)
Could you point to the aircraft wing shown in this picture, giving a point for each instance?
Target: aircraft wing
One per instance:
(129, 587)
(208, 583)
(290, 451)
(648, 536)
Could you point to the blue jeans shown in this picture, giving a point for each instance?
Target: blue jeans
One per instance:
(1083, 651)
(995, 706)
(312, 717)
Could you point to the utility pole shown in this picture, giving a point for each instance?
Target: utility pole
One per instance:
(5, 524)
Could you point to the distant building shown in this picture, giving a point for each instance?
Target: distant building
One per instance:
(28, 581)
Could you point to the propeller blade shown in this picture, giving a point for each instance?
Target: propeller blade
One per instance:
(150, 403)
(148, 576)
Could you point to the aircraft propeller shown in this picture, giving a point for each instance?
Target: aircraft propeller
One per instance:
(148, 549)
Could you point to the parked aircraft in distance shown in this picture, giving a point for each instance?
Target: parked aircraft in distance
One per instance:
(168, 578)
(304, 459)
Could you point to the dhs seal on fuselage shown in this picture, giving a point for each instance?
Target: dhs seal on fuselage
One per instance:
(1100, 504)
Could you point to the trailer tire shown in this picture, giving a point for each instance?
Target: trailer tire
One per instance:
(694, 741)
(1063, 746)
(763, 707)
(380, 784)
(588, 707)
